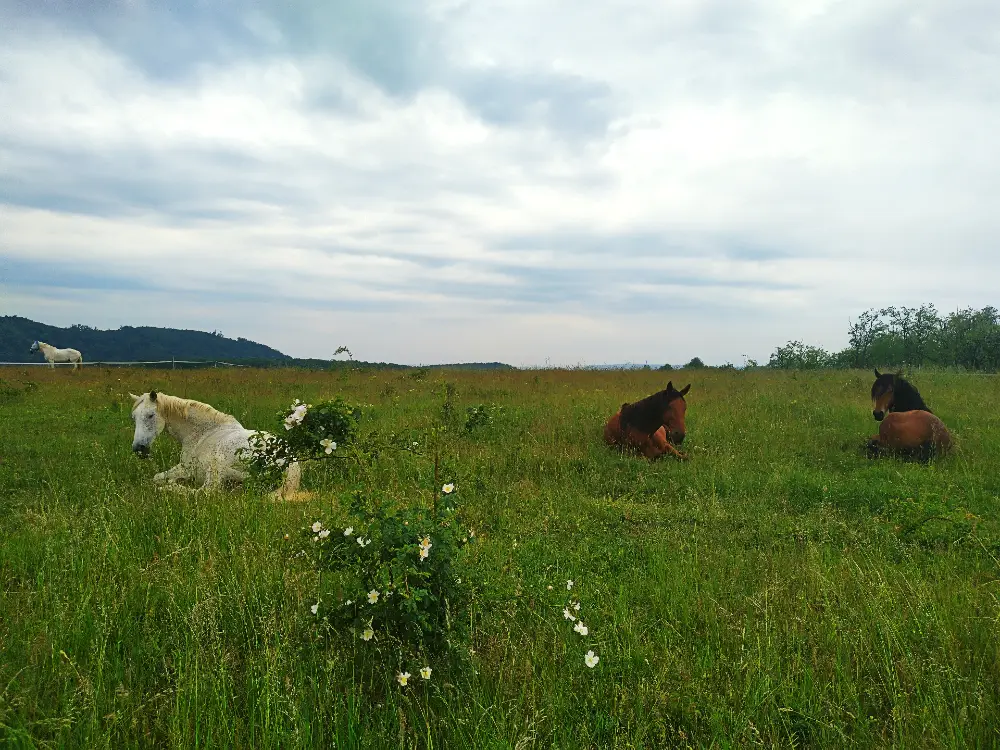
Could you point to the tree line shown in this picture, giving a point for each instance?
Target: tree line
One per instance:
(906, 337)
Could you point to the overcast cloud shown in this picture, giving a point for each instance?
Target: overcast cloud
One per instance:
(529, 181)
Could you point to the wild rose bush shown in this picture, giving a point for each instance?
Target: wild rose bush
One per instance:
(309, 432)
(392, 579)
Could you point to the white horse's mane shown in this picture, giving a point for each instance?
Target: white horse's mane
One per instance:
(175, 407)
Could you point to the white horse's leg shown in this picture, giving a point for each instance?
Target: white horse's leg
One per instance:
(178, 472)
(230, 474)
(290, 485)
(214, 476)
(174, 487)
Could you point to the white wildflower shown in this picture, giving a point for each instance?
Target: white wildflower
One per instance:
(373, 596)
(591, 659)
(329, 446)
(581, 628)
(324, 533)
(448, 488)
(367, 634)
(348, 531)
(425, 672)
(576, 606)
(316, 527)
(568, 615)
(314, 608)
(569, 585)
(402, 678)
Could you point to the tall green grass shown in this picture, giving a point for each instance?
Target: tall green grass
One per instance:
(778, 590)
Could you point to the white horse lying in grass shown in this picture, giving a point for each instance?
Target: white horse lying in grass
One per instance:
(210, 443)
(53, 355)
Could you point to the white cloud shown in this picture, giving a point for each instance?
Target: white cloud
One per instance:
(564, 176)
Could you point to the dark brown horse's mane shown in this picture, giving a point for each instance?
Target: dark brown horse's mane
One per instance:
(905, 396)
(647, 415)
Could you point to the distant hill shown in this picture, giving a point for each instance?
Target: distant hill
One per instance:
(127, 344)
(149, 344)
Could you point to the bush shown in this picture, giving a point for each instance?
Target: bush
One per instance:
(480, 416)
(391, 580)
(310, 432)
(798, 356)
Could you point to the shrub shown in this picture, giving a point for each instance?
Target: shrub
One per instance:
(391, 580)
(311, 432)
(480, 416)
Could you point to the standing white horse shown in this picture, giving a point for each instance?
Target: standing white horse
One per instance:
(53, 355)
(210, 442)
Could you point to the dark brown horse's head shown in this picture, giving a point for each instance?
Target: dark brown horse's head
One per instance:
(665, 409)
(882, 392)
(891, 392)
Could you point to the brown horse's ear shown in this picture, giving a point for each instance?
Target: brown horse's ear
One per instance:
(685, 389)
(152, 395)
(877, 373)
(670, 385)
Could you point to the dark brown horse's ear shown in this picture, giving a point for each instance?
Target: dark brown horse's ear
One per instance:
(670, 385)
(152, 395)
(877, 373)
(685, 389)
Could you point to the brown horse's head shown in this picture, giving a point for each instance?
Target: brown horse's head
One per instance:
(665, 409)
(882, 392)
(891, 392)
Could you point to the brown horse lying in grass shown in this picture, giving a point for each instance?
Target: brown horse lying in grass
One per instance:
(651, 426)
(907, 427)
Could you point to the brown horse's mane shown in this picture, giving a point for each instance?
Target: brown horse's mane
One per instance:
(905, 396)
(647, 415)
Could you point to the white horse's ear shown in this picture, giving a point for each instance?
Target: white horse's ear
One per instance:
(152, 395)
(135, 399)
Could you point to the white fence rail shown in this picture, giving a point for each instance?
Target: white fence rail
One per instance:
(164, 362)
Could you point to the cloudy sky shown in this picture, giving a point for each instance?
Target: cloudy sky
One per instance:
(528, 181)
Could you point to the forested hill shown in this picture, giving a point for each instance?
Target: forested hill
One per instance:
(127, 344)
(147, 344)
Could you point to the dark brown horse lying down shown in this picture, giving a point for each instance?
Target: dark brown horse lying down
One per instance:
(907, 428)
(652, 426)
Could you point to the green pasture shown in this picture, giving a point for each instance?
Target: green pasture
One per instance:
(777, 590)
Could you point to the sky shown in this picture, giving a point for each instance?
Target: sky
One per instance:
(538, 182)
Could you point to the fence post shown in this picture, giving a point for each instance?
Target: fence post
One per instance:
(173, 364)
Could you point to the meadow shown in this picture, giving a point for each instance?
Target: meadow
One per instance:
(777, 590)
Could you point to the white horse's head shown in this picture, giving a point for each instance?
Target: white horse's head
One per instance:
(34, 348)
(148, 422)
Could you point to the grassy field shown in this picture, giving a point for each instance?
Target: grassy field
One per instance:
(778, 590)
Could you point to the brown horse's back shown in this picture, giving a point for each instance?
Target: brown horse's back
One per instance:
(906, 431)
